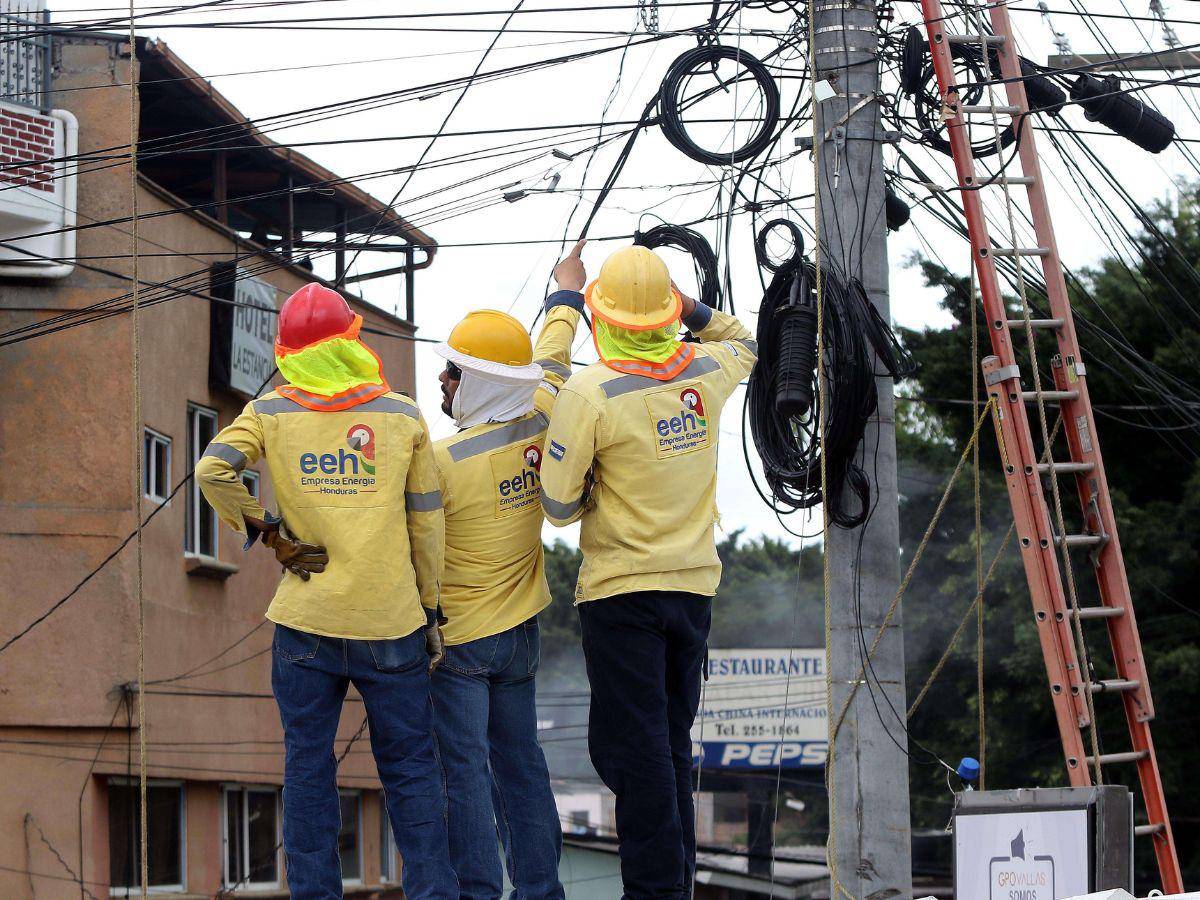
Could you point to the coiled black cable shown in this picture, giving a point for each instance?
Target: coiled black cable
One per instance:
(760, 245)
(671, 105)
(780, 399)
(693, 243)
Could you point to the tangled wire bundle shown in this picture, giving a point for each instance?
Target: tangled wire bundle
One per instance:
(784, 420)
(697, 247)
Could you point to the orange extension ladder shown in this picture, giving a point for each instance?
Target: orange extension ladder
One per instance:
(1040, 525)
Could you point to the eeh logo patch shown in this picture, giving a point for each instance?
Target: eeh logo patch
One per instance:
(362, 439)
(678, 421)
(533, 457)
(516, 473)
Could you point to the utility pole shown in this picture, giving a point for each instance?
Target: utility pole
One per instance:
(871, 834)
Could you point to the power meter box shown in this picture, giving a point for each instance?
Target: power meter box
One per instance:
(1042, 843)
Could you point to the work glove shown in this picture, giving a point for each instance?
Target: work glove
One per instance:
(435, 642)
(299, 558)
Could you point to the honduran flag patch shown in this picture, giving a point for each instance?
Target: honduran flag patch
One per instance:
(557, 450)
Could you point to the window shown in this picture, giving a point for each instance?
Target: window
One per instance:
(156, 466)
(253, 482)
(251, 837)
(200, 537)
(388, 869)
(349, 845)
(164, 811)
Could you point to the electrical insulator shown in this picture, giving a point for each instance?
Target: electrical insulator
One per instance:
(796, 359)
(1104, 102)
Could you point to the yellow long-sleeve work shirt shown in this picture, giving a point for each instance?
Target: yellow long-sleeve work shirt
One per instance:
(361, 482)
(651, 449)
(494, 578)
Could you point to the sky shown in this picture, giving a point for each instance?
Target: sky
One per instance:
(499, 254)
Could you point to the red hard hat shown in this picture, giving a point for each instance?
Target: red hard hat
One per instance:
(312, 314)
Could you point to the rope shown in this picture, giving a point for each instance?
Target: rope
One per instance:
(979, 578)
(976, 604)
(136, 356)
(912, 567)
(1068, 569)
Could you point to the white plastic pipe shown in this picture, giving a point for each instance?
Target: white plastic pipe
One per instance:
(70, 201)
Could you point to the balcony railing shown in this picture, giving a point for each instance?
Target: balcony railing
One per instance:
(25, 53)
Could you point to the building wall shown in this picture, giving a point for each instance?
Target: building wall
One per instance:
(66, 447)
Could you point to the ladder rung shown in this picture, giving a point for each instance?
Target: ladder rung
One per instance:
(1020, 251)
(1080, 540)
(1115, 684)
(1026, 180)
(994, 40)
(1036, 323)
(1098, 612)
(968, 108)
(1049, 396)
(1146, 830)
(1112, 759)
(1066, 468)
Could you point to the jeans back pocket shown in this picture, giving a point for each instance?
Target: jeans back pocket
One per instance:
(473, 657)
(294, 645)
(399, 654)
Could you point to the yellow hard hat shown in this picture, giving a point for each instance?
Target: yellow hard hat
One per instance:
(488, 340)
(634, 291)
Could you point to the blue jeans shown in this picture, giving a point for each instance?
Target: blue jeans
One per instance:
(486, 724)
(309, 677)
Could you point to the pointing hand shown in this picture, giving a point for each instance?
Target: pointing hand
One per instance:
(570, 274)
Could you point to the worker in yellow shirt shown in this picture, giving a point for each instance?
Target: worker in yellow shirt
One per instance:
(499, 389)
(632, 450)
(360, 537)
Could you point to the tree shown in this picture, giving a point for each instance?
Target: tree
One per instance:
(1141, 346)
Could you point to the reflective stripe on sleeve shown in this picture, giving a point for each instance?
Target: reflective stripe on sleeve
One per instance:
(557, 368)
(520, 430)
(556, 510)
(224, 452)
(427, 502)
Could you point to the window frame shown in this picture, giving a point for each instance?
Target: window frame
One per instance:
(181, 786)
(152, 436)
(255, 476)
(196, 501)
(358, 830)
(389, 853)
(227, 882)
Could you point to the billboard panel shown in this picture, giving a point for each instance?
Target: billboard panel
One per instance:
(1034, 855)
(762, 709)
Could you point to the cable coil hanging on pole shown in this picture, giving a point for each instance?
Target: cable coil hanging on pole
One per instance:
(779, 400)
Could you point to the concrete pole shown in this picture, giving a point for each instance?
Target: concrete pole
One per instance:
(872, 832)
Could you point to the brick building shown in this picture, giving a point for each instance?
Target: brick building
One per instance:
(209, 208)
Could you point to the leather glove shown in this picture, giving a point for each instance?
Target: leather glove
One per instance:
(435, 642)
(299, 558)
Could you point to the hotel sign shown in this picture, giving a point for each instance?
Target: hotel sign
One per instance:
(242, 339)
